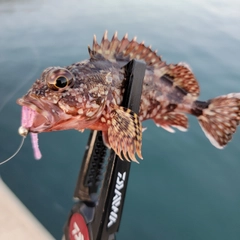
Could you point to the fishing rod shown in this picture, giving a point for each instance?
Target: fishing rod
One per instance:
(103, 177)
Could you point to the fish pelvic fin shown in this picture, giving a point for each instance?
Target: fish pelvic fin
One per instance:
(171, 119)
(219, 118)
(124, 50)
(124, 134)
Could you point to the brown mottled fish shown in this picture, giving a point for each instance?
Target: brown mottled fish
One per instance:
(88, 94)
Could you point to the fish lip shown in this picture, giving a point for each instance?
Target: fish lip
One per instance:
(29, 104)
(47, 110)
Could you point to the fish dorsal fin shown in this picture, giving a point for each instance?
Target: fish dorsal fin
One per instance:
(179, 75)
(124, 50)
(115, 50)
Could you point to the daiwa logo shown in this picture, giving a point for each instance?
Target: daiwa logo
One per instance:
(78, 229)
(116, 199)
(76, 232)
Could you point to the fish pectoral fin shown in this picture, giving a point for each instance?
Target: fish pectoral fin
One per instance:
(124, 134)
(172, 119)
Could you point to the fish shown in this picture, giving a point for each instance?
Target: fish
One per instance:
(88, 95)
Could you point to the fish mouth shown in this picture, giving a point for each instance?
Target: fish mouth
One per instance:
(45, 114)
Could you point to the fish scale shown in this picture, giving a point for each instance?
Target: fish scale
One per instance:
(88, 95)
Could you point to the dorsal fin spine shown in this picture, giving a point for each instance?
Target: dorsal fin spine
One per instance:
(125, 50)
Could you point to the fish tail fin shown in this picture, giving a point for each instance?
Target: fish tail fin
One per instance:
(219, 118)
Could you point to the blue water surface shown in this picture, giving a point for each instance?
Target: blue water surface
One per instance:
(184, 189)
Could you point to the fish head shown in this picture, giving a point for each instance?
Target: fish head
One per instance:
(59, 101)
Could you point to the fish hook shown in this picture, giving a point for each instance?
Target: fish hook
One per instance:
(23, 132)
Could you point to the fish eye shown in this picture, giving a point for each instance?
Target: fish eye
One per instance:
(59, 79)
(61, 82)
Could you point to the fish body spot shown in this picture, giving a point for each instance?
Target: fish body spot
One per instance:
(103, 119)
(90, 113)
(80, 111)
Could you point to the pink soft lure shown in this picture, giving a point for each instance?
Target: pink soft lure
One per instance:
(27, 121)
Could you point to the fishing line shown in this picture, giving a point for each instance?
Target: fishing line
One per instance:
(22, 83)
(20, 146)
